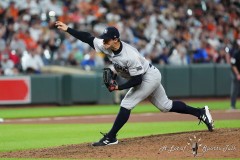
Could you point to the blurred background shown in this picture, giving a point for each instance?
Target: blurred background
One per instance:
(167, 32)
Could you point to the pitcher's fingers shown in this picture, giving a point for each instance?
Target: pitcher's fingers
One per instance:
(58, 23)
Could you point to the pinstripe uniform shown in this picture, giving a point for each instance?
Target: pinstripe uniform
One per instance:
(130, 63)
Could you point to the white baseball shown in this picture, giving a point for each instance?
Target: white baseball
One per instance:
(52, 14)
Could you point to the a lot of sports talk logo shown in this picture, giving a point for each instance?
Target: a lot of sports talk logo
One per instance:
(196, 148)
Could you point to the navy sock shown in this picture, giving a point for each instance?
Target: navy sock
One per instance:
(121, 119)
(181, 107)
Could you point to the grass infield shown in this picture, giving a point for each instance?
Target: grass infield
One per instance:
(95, 110)
(28, 136)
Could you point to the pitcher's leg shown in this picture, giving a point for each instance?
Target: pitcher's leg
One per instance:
(181, 107)
(161, 101)
(137, 94)
(122, 118)
(203, 114)
(132, 98)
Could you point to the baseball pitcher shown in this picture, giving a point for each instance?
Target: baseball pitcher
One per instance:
(144, 80)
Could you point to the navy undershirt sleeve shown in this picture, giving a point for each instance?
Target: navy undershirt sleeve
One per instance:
(82, 36)
(134, 81)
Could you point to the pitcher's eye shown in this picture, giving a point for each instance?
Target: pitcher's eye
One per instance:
(106, 41)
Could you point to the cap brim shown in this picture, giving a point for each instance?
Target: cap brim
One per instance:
(104, 36)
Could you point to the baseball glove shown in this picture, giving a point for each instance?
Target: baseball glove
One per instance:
(109, 79)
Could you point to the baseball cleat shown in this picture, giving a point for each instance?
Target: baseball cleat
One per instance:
(105, 141)
(207, 118)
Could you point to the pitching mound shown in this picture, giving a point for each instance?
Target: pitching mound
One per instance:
(222, 143)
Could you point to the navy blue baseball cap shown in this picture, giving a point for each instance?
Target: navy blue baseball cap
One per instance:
(110, 33)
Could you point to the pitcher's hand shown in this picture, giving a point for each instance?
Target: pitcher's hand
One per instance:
(62, 26)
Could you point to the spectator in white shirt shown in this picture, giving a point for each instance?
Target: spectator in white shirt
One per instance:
(32, 61)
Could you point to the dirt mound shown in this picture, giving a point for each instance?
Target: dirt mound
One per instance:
(222, 143)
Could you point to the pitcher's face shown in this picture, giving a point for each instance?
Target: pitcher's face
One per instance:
(108, 43)
(112, 44)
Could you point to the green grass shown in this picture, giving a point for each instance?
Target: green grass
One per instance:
(24, 136)
(29, 136)
(94, 110)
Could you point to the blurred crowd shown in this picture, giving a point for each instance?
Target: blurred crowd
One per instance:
(166, 32)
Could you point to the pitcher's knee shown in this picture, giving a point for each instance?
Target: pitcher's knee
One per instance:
(165, 107)
(127, 104)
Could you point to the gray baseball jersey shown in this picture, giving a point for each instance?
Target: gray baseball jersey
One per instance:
(130, 63)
